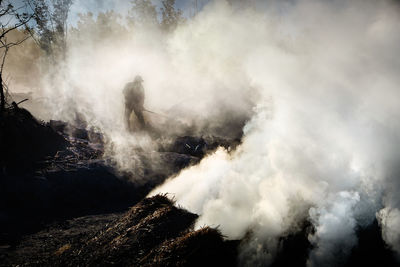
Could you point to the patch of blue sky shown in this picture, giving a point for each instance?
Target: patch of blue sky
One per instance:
(122, 7)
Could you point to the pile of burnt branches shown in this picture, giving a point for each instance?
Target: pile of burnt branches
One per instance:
(152, 233)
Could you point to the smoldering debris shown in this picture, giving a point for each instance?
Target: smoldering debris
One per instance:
(199, 146)
(75, 178)
(152, 233)
(129, 239)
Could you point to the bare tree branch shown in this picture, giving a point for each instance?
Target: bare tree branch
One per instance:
(10, 12)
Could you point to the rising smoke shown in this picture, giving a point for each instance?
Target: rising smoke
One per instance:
(323, 143)
(317, 82)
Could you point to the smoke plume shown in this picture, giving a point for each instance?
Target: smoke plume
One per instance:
(316, 83)
(323, 143)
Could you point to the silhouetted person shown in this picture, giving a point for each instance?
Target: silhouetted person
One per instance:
(134, 101)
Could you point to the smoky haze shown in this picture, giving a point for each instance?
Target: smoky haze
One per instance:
(192, 87)
(323, 142)
(315, 84)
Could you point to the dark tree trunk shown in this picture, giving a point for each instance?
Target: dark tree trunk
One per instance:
(2, 96)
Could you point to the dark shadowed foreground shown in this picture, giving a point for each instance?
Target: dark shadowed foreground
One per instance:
(152, 233)
(53, 172)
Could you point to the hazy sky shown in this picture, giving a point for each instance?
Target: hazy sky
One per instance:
(122, 6)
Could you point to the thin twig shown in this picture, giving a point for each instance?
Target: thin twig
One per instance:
(22, 101)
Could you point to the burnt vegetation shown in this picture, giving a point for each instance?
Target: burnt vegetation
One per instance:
(152, 233)
(64, 203)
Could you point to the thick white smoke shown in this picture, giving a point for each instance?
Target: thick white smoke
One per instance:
(320, 79)
(324, 141)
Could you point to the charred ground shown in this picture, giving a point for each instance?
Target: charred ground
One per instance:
(63, 204)
(54, 172)
(152, 233)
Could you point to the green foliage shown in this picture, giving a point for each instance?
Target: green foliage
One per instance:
(51, 25)
(143, 13)
(106, 27)
(171, 17)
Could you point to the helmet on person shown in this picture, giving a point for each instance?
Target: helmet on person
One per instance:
(138, 78)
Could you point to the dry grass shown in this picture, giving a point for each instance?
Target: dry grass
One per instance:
(152, 233)
(62, 249)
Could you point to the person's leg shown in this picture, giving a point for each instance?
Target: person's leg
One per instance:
(128, 113)
(139, 115)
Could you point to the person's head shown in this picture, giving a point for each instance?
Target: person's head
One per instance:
(138, 79)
